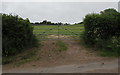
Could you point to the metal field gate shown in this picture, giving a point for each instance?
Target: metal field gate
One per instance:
(58, 32)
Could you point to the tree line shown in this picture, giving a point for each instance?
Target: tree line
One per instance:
(45, 22)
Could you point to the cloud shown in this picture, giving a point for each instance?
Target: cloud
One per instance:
(69, 12)
(60, 0)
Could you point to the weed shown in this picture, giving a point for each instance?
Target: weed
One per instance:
(61, 46)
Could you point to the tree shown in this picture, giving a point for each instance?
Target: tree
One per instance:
(36, 23)
(108, 11)
(44, 22)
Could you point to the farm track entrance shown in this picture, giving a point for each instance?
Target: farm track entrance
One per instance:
(75, 59)
(59, 32)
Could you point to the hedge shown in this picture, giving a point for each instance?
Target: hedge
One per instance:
(17, 34)
(103, 30)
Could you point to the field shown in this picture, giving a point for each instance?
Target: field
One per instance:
(44, 31)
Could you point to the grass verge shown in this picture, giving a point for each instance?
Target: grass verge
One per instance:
(108, 53)
(21, 58)
(61, 46)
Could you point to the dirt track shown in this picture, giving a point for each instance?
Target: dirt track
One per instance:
(96, 67)
(75, 59)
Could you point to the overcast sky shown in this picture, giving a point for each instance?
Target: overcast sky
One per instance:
(70, 12)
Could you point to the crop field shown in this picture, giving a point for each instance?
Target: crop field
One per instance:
(44, 31)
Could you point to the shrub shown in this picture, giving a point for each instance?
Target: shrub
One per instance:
(17, 34)
(91, 23)
(103, 30)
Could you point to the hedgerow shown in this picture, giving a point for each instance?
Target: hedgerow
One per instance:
(17, 34)
(103, 30)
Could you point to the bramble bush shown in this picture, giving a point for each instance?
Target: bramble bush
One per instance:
(17, 34)
(103, 30)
